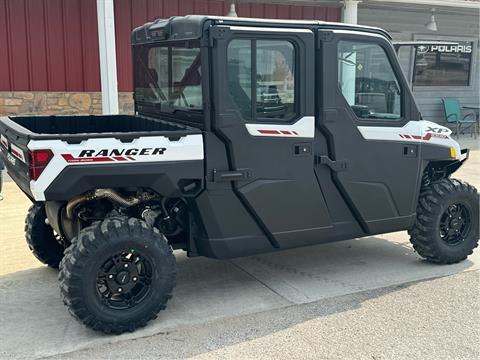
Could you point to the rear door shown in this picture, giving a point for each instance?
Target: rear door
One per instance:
(264, 114)
(371, 121)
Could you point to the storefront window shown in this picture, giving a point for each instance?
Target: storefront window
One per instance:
(443, 65)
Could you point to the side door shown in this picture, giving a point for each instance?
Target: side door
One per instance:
(263, 95)
(369, 117)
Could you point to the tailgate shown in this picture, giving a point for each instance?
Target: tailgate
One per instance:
(14, 154)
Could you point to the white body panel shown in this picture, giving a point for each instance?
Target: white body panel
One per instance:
(304, 127)
(187, 148)
(414, 131)
(191, 147)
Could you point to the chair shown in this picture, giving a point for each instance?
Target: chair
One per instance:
(454, 116)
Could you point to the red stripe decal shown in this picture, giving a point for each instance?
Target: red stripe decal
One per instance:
(131, 158)
(269, 132)
(426, 137)
(70, 159)
(277, 132)
(119, 158)
(16, 153)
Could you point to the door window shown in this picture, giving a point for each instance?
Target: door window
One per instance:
(368, 81)
(240, 75)
(265, 91)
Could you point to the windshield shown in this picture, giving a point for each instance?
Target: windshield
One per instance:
(169, 78)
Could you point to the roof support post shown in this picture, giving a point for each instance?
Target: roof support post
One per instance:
(108, 56)
(350, 11)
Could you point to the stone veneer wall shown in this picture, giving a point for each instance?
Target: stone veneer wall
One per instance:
(58, 103)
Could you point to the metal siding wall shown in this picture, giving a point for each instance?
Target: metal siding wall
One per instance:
(52, 45)
(17, 39)
(5, 81)
(132, 13)
(48, 45)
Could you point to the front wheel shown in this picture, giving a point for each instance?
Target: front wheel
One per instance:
(117, 275)
(447, 226)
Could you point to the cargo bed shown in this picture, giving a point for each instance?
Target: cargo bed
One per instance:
(31, 144)
(67, 127)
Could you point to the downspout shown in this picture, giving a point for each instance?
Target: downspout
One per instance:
(108, 56)
(350, 11)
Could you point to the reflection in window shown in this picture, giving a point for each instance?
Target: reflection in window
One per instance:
(240, 75)
(367, 81)
(169, 77)
(273, 74)
(275, 80)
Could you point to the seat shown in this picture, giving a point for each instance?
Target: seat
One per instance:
(456, 119)
(376, 102)
(237, 91)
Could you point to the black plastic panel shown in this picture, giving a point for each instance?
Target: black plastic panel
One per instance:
(161, 177)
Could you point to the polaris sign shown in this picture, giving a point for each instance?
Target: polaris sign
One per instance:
(455, 49)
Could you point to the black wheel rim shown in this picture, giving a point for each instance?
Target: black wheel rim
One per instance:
(455, 224)
(124, 280)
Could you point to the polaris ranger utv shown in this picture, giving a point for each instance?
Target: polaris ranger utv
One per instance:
(248, 136)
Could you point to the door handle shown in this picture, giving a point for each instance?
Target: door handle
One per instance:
(340, 165)
(302, 149)
(243, 174)
(410, 151)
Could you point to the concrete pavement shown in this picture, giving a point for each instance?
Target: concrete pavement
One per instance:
(35, 324)
(431, 319)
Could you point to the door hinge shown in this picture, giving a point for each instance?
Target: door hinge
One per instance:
(236, 175)
(339, 165)
(218, 32)
(324, 36)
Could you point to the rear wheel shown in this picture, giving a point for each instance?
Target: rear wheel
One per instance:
(447, 227)
(117, 275)
(41, 239)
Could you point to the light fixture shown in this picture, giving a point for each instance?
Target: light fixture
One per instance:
(432, 24)
(232, 12)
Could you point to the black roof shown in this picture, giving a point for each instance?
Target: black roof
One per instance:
(191, 27)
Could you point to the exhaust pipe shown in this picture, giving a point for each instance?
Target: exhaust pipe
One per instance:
(99, 194)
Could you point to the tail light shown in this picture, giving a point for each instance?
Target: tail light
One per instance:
(39, 160)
